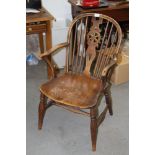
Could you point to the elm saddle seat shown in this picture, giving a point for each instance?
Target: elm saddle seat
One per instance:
(73, 90)
(92, 52)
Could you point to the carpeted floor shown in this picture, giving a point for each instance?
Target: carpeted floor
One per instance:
(66, 133)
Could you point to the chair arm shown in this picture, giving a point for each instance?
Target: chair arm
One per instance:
(45, 57)
(54, 49)
(106, 69)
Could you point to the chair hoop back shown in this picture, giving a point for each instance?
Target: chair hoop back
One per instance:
(94, 41)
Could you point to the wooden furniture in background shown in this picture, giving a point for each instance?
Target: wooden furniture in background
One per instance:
(118, 12)
(40, 23)
(92, 51)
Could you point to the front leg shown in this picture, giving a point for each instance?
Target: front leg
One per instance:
(93, 126)
(41, 110)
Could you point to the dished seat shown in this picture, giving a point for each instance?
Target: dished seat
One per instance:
(73, 90)
(92, 53)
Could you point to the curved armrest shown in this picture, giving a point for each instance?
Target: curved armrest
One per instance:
(45, 55)
(105, 70)
(54, 49)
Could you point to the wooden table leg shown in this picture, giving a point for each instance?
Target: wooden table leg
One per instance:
(41, 42)
(49, 45)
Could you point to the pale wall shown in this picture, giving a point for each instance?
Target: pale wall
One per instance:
(61, 10)
(58, 8)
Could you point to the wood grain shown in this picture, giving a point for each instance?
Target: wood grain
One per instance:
(93, 46)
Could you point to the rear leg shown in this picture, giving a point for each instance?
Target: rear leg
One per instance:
(108, 99)
(41, 110)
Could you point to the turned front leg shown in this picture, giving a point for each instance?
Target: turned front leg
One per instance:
(93, 126)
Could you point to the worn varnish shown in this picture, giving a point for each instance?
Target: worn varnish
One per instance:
(92, 49)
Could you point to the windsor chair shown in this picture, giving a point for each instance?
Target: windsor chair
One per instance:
(92, 52)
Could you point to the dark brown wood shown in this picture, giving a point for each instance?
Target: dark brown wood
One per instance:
(93, 126)
(79, 90)
(73, 90)
(118, 12)
(38, 24)
(108, 99)
(36, 28)
(41, 110)
(73, 109)
(47, 57)
(49, 45)
(43, 16)
(41, 42)
(49, 104)
(102, 116)
(54, 49)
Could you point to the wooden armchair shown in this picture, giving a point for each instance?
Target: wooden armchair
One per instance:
(92, 50)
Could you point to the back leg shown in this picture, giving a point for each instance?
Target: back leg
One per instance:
(41, 110)
(108, 99)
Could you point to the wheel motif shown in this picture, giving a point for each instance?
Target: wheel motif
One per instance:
(93, 38)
